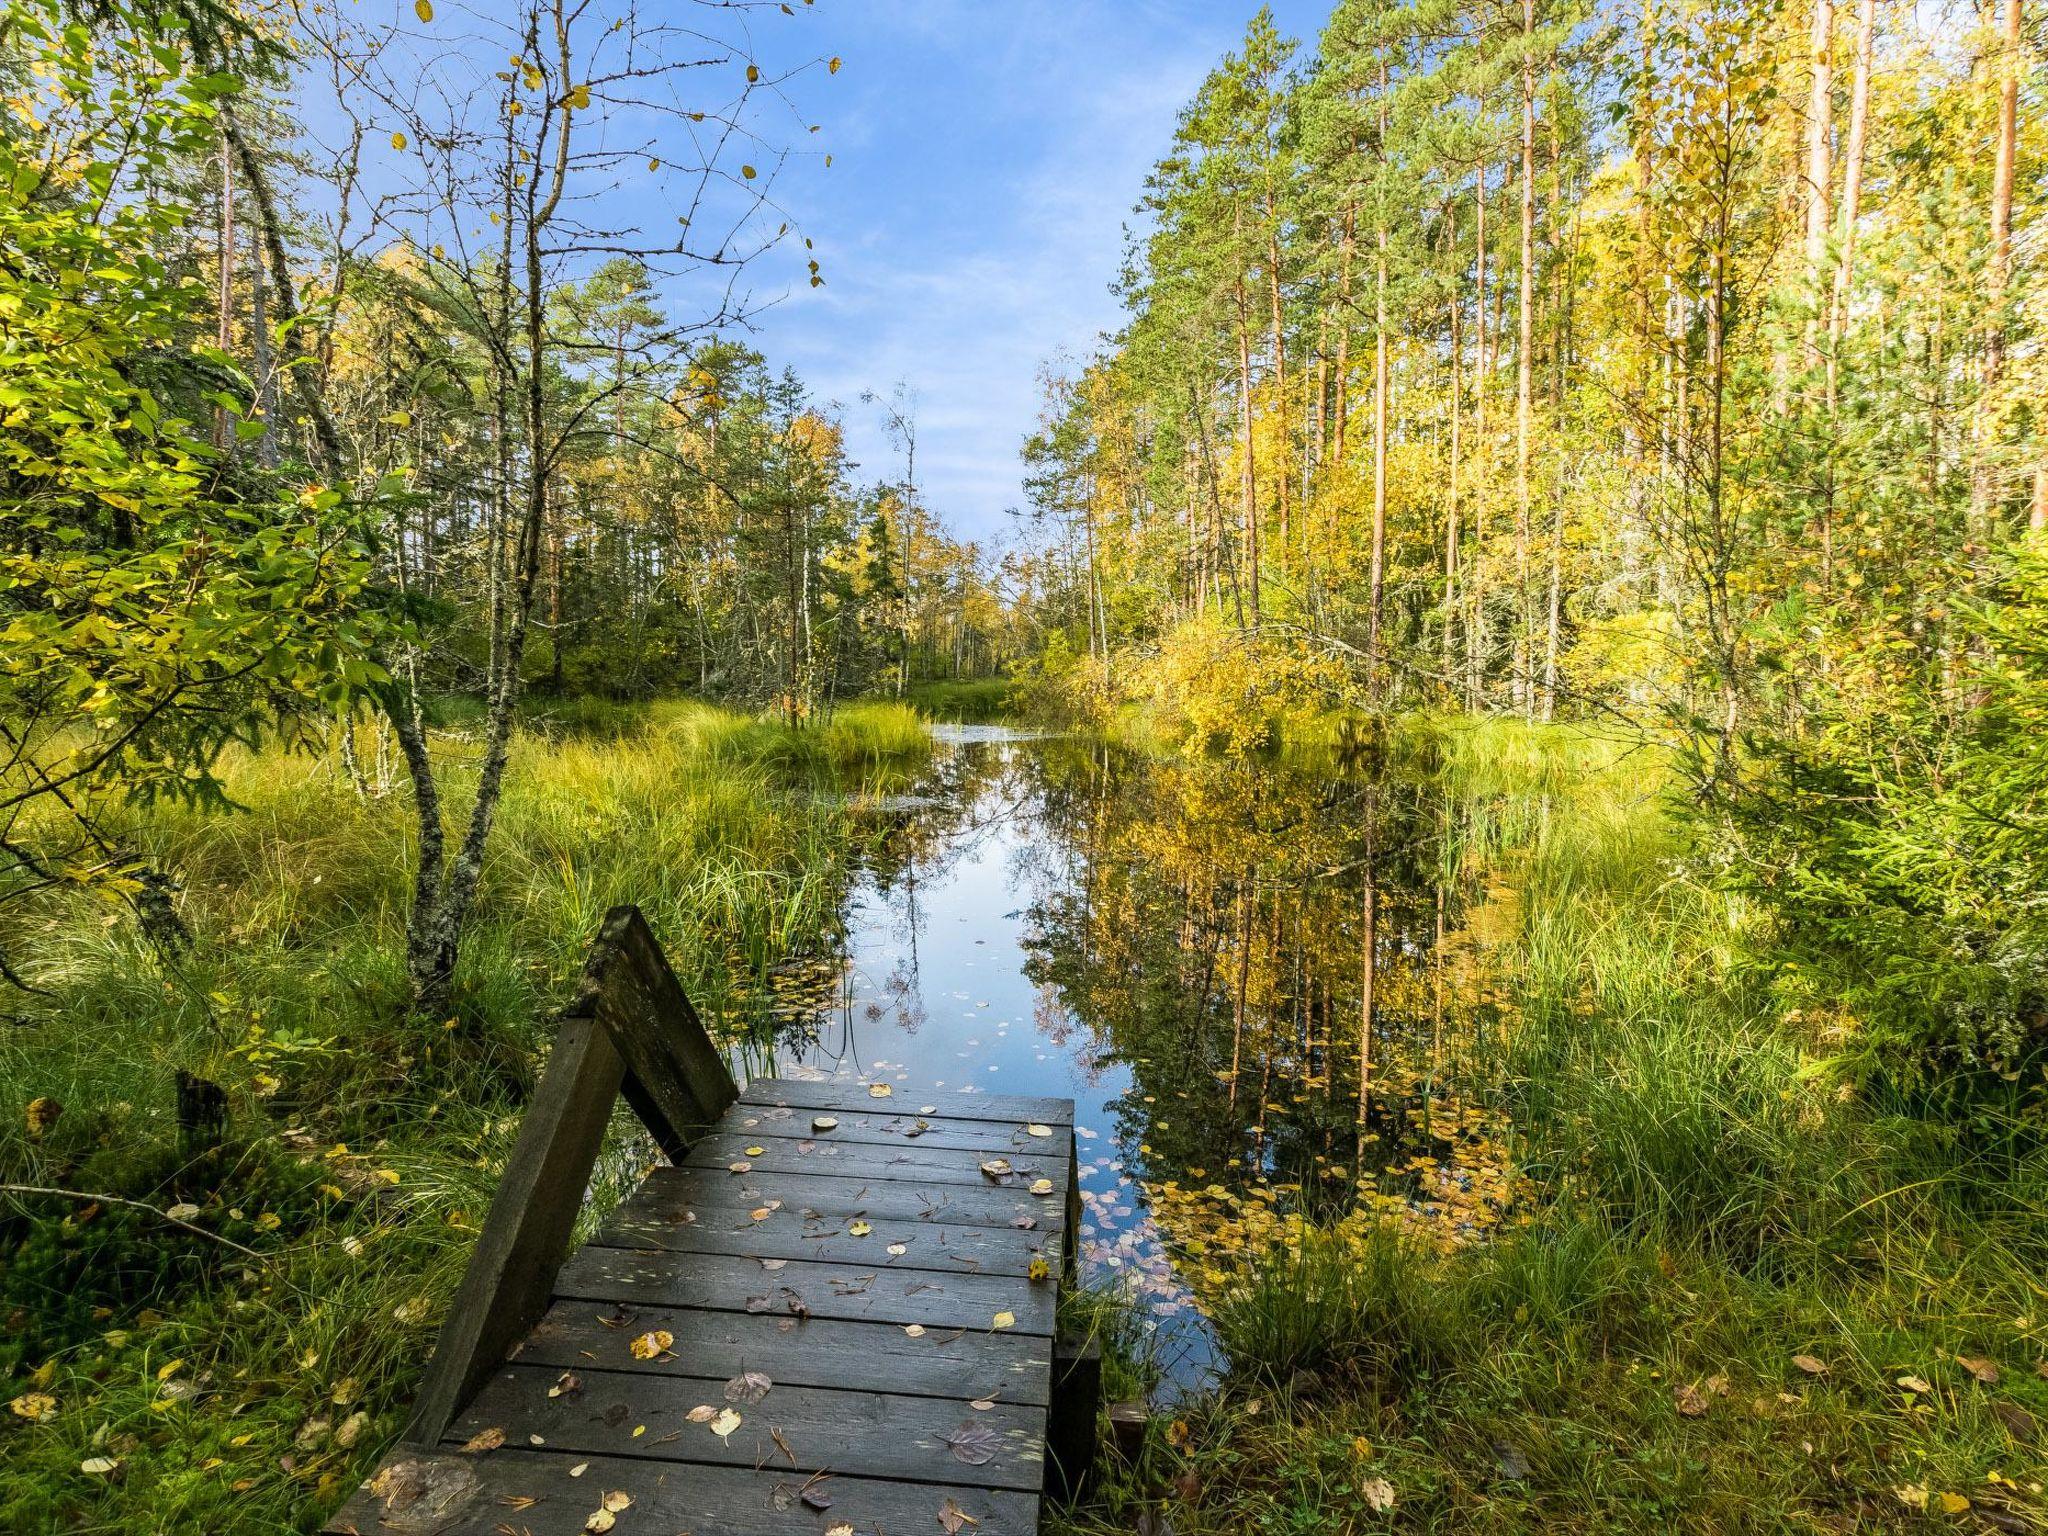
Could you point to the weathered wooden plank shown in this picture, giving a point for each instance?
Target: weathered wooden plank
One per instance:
(767, 1156)
(511, 1272)
(806, 1429)
(824, 1352)
(876, 1295)
(831, 1094)
(676, 1080)
(993, 1137)
(443, 1494)
(671, 1194)
(789, 1234)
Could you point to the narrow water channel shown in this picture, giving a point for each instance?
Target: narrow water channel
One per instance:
(1186, 949)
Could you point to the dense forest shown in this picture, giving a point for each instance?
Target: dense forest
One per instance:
(1674, 368)
(1503, 779)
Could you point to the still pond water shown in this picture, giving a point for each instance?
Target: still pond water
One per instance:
(1185, 949)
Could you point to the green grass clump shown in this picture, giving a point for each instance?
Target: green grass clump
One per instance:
(249, 1392)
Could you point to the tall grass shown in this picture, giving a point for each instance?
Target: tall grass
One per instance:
(364, 1142)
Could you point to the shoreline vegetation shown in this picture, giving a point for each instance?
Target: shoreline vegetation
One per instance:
(1737, 1289)
(244, 1362)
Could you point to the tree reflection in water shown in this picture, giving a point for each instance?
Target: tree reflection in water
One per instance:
(1190, 947)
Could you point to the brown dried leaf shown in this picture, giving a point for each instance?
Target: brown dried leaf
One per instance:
(973, 1443)
(1810, 1365)
(484, 1440)
(952, 1518)
(1984, 1370)
(748, 1387)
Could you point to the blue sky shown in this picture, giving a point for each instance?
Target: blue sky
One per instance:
(986, 156)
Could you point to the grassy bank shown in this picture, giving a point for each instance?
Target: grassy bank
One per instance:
(240, 1391)
(1739, 1295)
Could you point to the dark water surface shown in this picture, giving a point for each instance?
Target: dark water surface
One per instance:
(1184, 948)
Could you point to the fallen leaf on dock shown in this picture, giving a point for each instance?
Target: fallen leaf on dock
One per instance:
(648, 1345)
(483, 1440)
(748, 1387)
(972, 1443)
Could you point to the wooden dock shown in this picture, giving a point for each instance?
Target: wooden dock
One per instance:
(833, 1314)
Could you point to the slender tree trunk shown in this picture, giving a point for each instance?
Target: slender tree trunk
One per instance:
(1376, 618)
(1251, 484)
(1845, 264)
(1524, 359)
(1452, 531)
(1984, 475)
(1475, 628)
(1280, 479)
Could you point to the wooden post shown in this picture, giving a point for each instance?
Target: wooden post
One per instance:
(630, 1027)
(1070, 1425)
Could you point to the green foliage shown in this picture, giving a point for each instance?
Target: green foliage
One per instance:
(1899, 841)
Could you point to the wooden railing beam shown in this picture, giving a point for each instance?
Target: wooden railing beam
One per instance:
(631, 1027)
